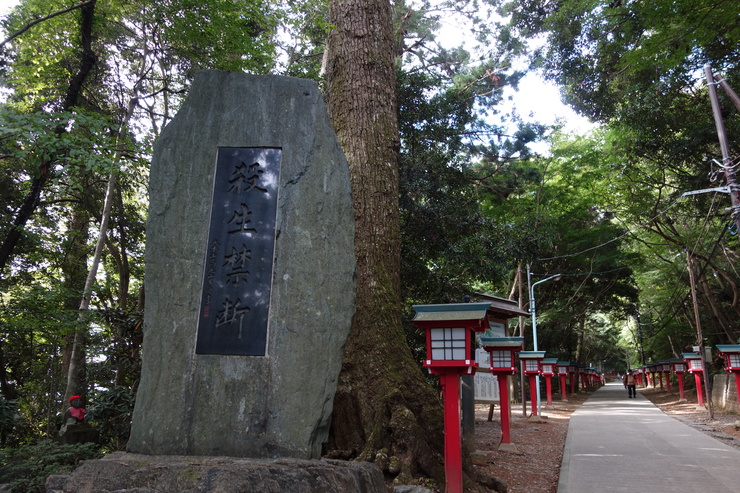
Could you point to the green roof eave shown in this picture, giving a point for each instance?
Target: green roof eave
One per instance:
(450, 311)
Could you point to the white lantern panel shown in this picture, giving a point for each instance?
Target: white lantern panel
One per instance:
(532, 365)
(500, 359)
(458, 354)
(695, 364)
(734, 360)
(448, 343)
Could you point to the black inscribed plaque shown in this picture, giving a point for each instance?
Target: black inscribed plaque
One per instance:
(238, 270)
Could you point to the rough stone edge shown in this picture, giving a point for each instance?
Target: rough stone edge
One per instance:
(121, 471)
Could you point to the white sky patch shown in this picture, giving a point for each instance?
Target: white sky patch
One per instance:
(6, 5)
(540, 100)
(536, 100)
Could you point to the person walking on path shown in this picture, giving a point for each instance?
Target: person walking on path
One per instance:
(616, 446)
(631, 383)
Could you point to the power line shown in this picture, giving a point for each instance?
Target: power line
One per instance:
(629, 232)
(587, 273)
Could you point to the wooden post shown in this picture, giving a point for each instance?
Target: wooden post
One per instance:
(724, 146)
(700, 337)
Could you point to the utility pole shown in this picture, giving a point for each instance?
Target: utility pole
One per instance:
(724, 146)
(699, 335)
(721, 82)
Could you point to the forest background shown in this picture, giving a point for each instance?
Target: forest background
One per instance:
(89, 85)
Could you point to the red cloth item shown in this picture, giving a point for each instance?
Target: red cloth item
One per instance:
(77, 412)
(74, 397)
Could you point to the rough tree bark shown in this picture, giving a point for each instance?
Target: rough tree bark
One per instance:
(384, 410)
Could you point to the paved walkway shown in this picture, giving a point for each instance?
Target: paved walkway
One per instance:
(618, 444)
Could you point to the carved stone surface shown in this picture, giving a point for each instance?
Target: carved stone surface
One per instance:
(133, 473)
(237, 278)
(279, 404)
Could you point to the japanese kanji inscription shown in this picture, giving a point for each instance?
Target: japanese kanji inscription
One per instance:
(238, 271)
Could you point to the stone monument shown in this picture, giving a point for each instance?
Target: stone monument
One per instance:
(249, 273)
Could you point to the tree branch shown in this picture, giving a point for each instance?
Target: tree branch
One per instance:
(42, 19)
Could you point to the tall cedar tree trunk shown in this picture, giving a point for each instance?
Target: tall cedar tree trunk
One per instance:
(384, 410)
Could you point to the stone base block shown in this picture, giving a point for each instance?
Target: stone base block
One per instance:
(509, 447)
(481, 458)
(135, 473)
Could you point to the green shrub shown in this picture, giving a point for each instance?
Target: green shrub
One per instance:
(7, 419)
(110, 413)
(27, 467)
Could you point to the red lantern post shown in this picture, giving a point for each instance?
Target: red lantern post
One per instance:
(667, 372)
(696, 368)
(563, 374)
(582, 375)
(547, 370)
(573, 373)
(532, 370)
(679, 368)
(503, 355)
(731, 355)
(638, 375)
(450, 335)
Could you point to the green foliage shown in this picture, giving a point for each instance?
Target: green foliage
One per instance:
(110, 413)
(447, 243)
(222, 34)
(307, 22)
(33, 324)
(27, 467)
(76, 140)
(7, 420)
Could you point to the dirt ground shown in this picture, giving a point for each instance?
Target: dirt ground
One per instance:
(535, 468)
(724, 425)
